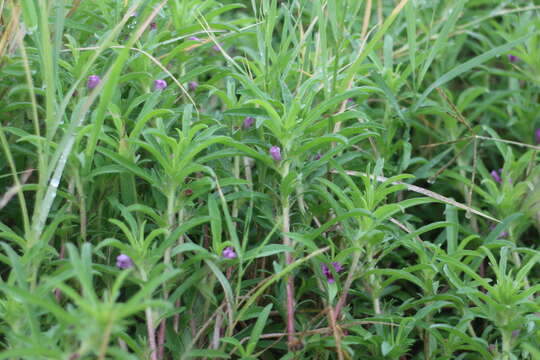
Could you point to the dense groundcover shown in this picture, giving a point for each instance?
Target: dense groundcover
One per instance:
(263, 179)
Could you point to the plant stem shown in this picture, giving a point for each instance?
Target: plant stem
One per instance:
(348, 283)
(335, 332)
(376, 300)
(506, 345)
(290, 279)
(150, 326)
(288, 260)
(171, 221)
(151, 334)
(105, 341)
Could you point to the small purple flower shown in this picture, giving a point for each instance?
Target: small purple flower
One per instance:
(496, 176)
(194, 38)
(328, 273)
(537, 136)
(153, 26)
(502, 235)
(275, 152)
(93, 81)
(124, 262)
(216, 48)
(512, 58)
(228, 253)
(248, 122)
(318, 156)
(192, 85)
(160, 84)
(350, 101)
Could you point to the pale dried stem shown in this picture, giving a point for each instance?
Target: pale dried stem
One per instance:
(367, 17)
(426, 192)
(13, 190)
(151, 334)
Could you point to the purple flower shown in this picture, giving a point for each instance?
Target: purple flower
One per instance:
(350, 101)
(194, 38)
(93, 81)
(512, 58)
(153, 26)
(502, 235)
(318, 156)
(496, 176)
(216, 48)
(228, 253)
(160, 84)
(328, 273)
(248, 121)
(275, 152)
(192, 85)
(537, 136)
(124, 262)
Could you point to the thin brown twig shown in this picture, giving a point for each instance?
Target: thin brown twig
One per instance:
(76, 4)
(433, 177)
(460, 118)
(457, 114)
(474, 223)
(446, 142)
(335, 332)
(325, 330)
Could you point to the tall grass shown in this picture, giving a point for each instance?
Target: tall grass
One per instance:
(336, 179)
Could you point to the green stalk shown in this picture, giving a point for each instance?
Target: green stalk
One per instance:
(42, 167)
(20, 194)
(506, 345)
(237, 176)
(105, 342)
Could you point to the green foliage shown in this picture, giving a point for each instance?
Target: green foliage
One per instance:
(404, 129)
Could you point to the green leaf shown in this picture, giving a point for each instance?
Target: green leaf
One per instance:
(258, 328)
(474, 62)
(212, 354)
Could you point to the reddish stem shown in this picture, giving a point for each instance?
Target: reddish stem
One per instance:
(290, 302)
(161, 339)
(292, 341)
(176, 321)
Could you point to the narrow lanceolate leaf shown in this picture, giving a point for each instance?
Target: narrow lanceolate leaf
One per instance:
(468, 65)
(441, 42)
(258, 329)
